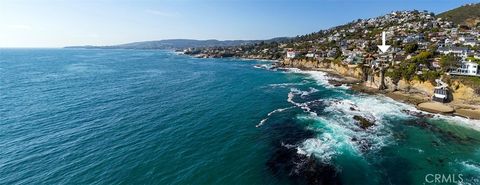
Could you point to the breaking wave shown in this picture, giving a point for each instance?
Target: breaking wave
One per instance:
(286, 84)
(320, 77)
(471, 166)
(337, 130)
(269, 114)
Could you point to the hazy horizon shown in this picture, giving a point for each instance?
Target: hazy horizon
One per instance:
(36, 24)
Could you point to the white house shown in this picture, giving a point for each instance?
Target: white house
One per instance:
(457, 51)
(476, 55)
(310, 55)
(470, 42)
(467, 68)
(448, 41)
(291, 54)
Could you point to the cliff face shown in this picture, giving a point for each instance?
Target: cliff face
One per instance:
(462, 94)
(345, 70)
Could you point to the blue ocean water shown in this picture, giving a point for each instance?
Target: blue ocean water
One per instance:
(73, 116)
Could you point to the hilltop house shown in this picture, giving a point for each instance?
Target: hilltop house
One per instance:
(467, 68)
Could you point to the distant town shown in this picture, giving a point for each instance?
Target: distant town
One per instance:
(433, 45)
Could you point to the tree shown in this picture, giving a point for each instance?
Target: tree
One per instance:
(395, 75)
(411, 47)
(448, 61)
(408, 71)
(422, 57)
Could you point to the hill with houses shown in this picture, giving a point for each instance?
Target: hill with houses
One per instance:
(430, 55)
(424, 46)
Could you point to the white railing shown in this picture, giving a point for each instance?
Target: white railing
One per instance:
(463, 74)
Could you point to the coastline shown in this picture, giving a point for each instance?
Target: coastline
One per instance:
(418, 100)
(421, 102)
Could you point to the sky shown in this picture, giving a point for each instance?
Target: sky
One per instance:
(59, 23)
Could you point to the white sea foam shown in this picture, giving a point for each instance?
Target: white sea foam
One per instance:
(471, 166)
(334, 139)
(319, 76)
(337, 130)
(286, 84)
(323, 148)
(270, 113)
(339, 133)
(456, 120)
(303, 106)
(261, 122)
(376, 106)
(303, 93)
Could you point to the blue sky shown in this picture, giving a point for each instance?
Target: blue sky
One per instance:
(58, 23)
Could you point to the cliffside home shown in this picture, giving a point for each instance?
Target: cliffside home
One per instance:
(292, 54)
(467, 68)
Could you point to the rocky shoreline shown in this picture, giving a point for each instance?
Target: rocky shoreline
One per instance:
(351, 76)
(412, 96)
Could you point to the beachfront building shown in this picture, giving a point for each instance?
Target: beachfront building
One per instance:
(467, 68)
(440, 92)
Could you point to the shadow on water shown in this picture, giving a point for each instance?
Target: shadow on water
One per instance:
(286, 162)
(396, 169)
(446, 135)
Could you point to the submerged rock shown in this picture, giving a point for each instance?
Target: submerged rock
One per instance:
(363, 122)
(302, 169)
(444, 134)
(285, 160)
(417, 114)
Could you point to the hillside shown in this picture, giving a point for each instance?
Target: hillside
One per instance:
(467, 14)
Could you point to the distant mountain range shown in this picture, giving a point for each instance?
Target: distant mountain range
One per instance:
(468, 14)
(181, 44)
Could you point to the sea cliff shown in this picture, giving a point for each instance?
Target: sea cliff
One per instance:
(464, 102)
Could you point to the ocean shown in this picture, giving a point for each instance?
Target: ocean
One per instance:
(78, 116)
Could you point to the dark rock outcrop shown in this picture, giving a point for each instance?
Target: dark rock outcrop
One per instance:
(285, 160)
(363, 122)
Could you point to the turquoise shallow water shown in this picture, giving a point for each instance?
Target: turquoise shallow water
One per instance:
(153, 117)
